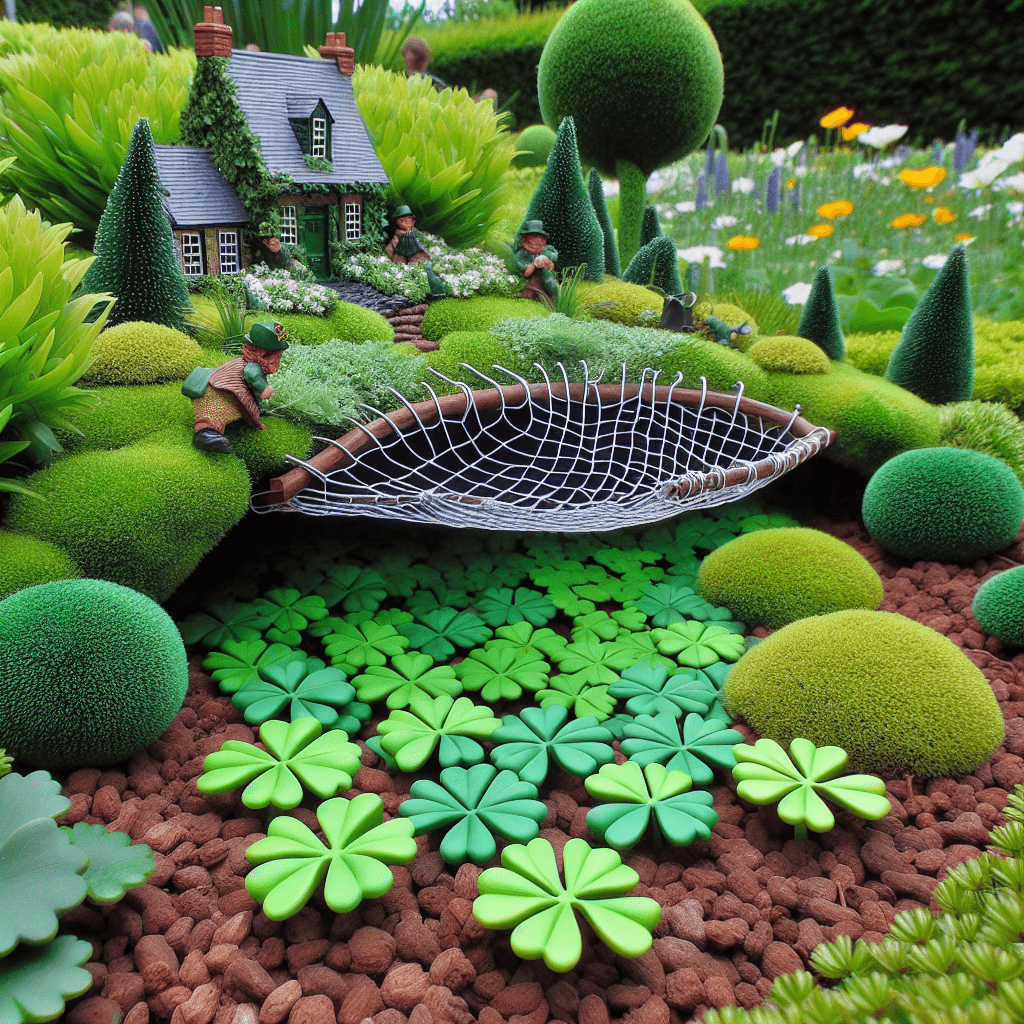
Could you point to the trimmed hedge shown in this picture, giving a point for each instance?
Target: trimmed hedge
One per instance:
(27, 562)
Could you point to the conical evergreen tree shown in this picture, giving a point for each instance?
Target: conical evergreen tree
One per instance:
(563, 204)
(611, 248)
(134, 247)
(651, 227)
(935, 355)
(819, 322)
(660, 257)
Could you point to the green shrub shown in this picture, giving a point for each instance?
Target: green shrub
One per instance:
(721, 366)
(264, 451)
(347, 322)
(27, 562)
(986, 427)
(943, 505)
(774, 577)
(819, 320)
(870, 352)
(782, 354)
(533, 145)
(92, 673)
(142, 353)
(898, 697)
(143, 516)
(999, 606)
(77, 13)
(479, 349)
(625, 303)
(477, 314)
(656, 264)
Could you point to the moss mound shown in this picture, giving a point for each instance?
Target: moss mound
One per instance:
(476, 314)
(731, 314)
(621, 302)
(479, 349)
(348, 321)
(90, 673)
(898, 697)
(984, 427)
(533, 146)
(142, 353)
(944, 505)
(774, 577)
(27, 562)
(789, 354)
(999, 606)
(264, 451)
(722, 366)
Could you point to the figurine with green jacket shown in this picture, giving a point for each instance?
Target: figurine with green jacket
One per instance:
(233, 391)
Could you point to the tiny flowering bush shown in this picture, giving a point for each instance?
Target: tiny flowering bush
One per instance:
(282, 293)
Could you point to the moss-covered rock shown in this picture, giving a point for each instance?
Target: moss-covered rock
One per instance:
(27, 562)
(774, 577)
(533, 145)
(788, 354)
(622, 302)
(986, 427)
(142, 353)
(999, 606)
(476, 314)
(898, 697)
(90, 673)
(731, 314)
(348, 321)
(943, 505)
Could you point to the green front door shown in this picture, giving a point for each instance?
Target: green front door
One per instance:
(313, 232)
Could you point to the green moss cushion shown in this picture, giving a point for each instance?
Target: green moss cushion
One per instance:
(986, 427)
(999, 606)
(898, 697)
(533, 146)
(697, 357)
(622, 302)
(774, 577)
(476, 314)
(142, 353)
(90, 673)
(479, 349)
(27, 562)
(789, 354)
(348, 321)
(732, 315)
(264, 451)
(944, 505)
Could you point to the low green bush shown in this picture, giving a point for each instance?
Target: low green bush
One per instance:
(999, 606)
(721, 366)
(479, 349)
(533, 145)
(92, 673)
(347, 322)
(27, 562)
(788, 354)
(731, 314)
(476, 314)
(943, 505)
(898, 697)
(142, 353)
(986, 427)
(774, 577)
(625, 303)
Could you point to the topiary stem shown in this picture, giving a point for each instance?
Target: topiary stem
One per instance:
(632, 197)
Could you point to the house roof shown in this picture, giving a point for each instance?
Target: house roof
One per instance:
(198, 194)
(302, 106)
(265, 83)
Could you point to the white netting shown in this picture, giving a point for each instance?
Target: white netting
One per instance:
(556, 456)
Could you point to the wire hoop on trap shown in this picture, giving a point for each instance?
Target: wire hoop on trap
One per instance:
(577, 457)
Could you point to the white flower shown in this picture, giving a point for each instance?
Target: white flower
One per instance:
(980, 211)
(687, 206)
(1015, 182)
(778, 157)
(797, 294)
(1012, 150)
(879, 137)
(936, 261)
(611, 188)
(781, 156)
(793, 148)
(743, 185)
(1015, 210)
(724, 220)
(886, 267)
(800, 239)
(663, 179)
(801, 171)
(698, 253)
(984, 174)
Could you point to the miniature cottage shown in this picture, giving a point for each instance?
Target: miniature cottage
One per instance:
(303, 112)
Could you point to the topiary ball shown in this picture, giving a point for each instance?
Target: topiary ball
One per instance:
(533, 146)
(943, 505)
(90, 673)
(789, 354)
(622, 302)
(774, 577)
(139, 352)
(898, 697)
(999, 606)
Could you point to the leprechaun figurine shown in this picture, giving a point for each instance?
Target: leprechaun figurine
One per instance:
(404, 246)
(234, 390)
(536, 261)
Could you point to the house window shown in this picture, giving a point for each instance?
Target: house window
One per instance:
(353, 221)
(319, 147)
(191, 253)
(289, 225)
(227, 250)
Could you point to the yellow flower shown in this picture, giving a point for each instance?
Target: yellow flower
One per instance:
(963, 236)
(926, 177)
(834, 118)
(909, 220)
(791, 182)
(943, 215)
(743, 242)
(851, 131)
(835, 210)
(820, 230)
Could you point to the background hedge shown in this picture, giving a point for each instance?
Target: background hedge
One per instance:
(79, 13)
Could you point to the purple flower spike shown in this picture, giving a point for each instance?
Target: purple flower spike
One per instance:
(722, 182)
(702, 192)
(964, 150)
(773, 190)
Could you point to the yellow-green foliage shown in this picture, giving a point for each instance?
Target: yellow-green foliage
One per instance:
(479, 349)
(622, 302)
(142, 353)
(476, 314)
(871, 352)
(898, 697)
(788, 354)
(774, 577)
(697, 357)
(348, 321)
(119, 416)
(984, 427)
(143, 516)
(27, 562)
(533, 145)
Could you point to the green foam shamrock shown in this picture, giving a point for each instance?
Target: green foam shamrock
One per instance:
(439, 632)
(35, 980)
(291, 862)
(573, 691)
(765, 774)
(222, 621)
(288, 613)
(472, 803)
(353, 647)
(698, 644)
(649, 690)
(501, 671)
(532, 638)
(527, 895)
(630, 794)
(115, 866)
(353, 588)
(297, 755)
(238, 662)
(408, 676)
(701, 746)
(504, 606)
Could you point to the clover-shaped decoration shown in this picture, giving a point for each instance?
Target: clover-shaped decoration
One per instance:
(767, 521)
(631, 587)
(593, 663)
(529, 637)
(527, 743)
(353, 647)
(238, 662)
(567, 600)
(565, 573)
(671, 602)
(288, 613)
(700, 747)
(629, 795)
(504, 606)
(221, 621)
(472, 803)
(765, 774)
(297, 755)
(409, 675)
(575, 693)
(527, 895)
(291, 862)
(623, 561)
(451, 726)
(501, 671)
(35, 980)
(115, 866)
(400, 576)
(353, 588)
(595, 628)
(642, 647)
(698, 644)
(439, 632)
(436, 597)
(649, 690)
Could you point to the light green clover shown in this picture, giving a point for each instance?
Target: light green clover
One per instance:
(699, 644)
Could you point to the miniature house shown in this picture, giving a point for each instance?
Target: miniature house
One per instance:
(303, 111)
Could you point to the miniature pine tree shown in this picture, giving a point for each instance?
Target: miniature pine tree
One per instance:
(134, 247)
(657, 263)
(819, 322)
(563, 204)
(650, 229)
(611, 249)
(935, 355)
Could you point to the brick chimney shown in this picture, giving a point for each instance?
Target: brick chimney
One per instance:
(212, 36)
(344, 55)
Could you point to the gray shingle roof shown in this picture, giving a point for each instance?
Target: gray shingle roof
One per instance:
(302, 106)
(266, 80)
(198, 194)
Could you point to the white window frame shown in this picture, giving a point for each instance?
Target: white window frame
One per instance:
(318, 146)
(353, 220)
(227, 252)
(192, 253)
(289, 225)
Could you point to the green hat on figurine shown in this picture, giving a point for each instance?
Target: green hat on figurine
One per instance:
(533, 227)
(404, 211)
(269, 337)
